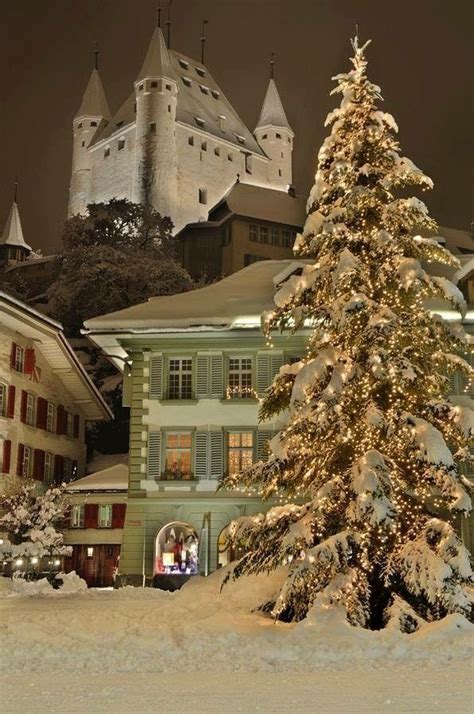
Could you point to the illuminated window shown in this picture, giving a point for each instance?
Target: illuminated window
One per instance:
(105, 515)
(180, 378)
(178, 456)
(90, 552)
(77, 515)
(240, 378)
(240, 451)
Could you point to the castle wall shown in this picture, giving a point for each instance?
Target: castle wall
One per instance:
(112, 174)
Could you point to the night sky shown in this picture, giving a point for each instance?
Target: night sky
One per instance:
(421, 56)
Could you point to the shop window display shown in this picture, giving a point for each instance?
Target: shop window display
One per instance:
(177, 550)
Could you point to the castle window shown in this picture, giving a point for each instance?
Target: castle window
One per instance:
(191, 140)
(263, 234)
(278, 136)
(282, 155)
(79, 126)
(217, 151)
(199, 122)
(203, 196)
(183, 64)
(221, 120)
(119, 123)
(203, 89)
(201, 72)
(186, 81)
(286, 239)
(93, 123)
(121, 144)
(140, 87)
(83, 143)
(135, 107)
(253, 233)
(274, 236)
(240, 139)
(289, 140)
(106, 152)
(169, 108)
(279, 172)
(153, 128)
(154, 84)
(264, 136)
(168, 87)
(230, 157)
(204, 146)
(215, 93)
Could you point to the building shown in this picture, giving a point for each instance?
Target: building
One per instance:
(13, 247)
(46, 398)
(250, 223)
(95, 523)
(176, 142)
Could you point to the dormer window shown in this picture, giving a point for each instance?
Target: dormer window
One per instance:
(201, 72)
(203, 89)
(186, 81)
(200, 122)
(221, 121)
(183, 64)
(154, 84)
(93, 123)
(215, 93)
(240, 139)
(140, 87)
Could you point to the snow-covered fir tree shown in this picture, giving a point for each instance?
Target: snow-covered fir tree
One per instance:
(369, 457)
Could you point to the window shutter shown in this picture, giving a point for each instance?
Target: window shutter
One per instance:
(118, 515)
(216, 453)
(91, 515)
(19, 461)
(276, 361)
(76, 423)
(263, 372)
(200, 454)
(156, 377)
(216, 376)
(202, 376)
(58, 468)
(41, 408)
(154, 455)
(24, 398)
(61, 420)
(263, 437)
(11, 402)
(7, 452)
(467, 385)
(453, 384)
(30, 360)
(38, 465)
(13, 356)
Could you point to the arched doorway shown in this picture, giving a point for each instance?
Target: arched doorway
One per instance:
(226, 550)
(176, 550)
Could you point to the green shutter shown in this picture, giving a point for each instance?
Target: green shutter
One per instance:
(202, 376)
(200, 454)
(453, 384)
(156, 377)
(263, 437)
(276, 361)
(154, 455)
(216, 376)
(263, 372)
(467, 385)
(216, 453)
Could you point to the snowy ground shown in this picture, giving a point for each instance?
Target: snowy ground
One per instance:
(198, 651)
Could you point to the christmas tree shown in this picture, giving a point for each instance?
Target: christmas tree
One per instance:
(368, 460)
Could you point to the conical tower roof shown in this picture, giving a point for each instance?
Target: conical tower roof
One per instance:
(94, 102)
(13, 234)
(157, 61)
(272, 113)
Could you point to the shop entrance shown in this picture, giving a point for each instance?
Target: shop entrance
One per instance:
(176, 551)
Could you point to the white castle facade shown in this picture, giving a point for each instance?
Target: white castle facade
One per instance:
(176, 143)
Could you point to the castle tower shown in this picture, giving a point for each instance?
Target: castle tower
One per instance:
(93, 114)
(275, 136)
(13, 248)
(155, 171)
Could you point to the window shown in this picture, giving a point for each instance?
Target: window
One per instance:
(253, 232)
(204, 146)
(279, 172)
(240, 139)
(119, 123)
(274, 236)
(154, 84)
(217, 151)
(121, 144)
(19, 363)
(3, 399)
(230, 157)
(48, 467)
(240, 451)
(180, 378)
(202, 196)
(191, 140)
(90, 552)
(140, 87)
(183, 64)
(215, 93)
(177, 550)
(27, 465)
(263, 234)
(200, 122)
(178, 456)
(30, 409)
(79, 126)
(69, 469)
(83, 143)
(169, 108)
(203, 89)
(93, 123)
(106, 153)
(286, 239)
(77, 515)
(240, 378)
(278, 136)
(50, 411)
(168, 87)
(221, 121)
(152, 128)
(105, 515)
(69, 424)
(186, 81)
(201, 72)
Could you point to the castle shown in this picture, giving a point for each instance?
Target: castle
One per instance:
(176, 143)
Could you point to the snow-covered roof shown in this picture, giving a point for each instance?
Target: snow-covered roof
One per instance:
(156, 63)
(455, 240)
(49, 339)
(272, 112)
(467, 267)
(114, 478)
(94, 102)
(13, 233)
(233, 302)
(265, 204)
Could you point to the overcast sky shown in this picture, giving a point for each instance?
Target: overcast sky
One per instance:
(421, 55)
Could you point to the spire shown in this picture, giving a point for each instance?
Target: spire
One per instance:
(272, 113)
(157, 60)
(13, 234)
(94, 102)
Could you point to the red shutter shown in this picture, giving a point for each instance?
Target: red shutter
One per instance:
(41, 406)
(75, 427)
(19, 462)
(24, 398)
(118, 515)
(30, 360)
(11, 402)
(38, 465)
(13, 356)
(91, 515)
(58, 468)
(7, 452)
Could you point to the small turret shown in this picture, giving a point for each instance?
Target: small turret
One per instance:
(155, 176)
(92, 115)
(275, 135)
(13, 247)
